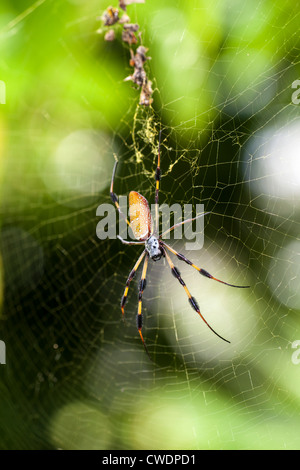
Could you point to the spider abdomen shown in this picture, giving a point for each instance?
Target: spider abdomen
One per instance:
(140, 216)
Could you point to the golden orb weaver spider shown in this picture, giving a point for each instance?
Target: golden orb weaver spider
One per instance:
(144, 232)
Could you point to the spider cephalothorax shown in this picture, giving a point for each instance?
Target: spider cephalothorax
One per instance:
(153, 247)
(145, 234)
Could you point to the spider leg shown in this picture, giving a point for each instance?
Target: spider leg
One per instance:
(157, 180)
(181, 223)
(139, 317)
(200, 270)
(192, 300)
(113, 195)
(130, 277)
(126, 242)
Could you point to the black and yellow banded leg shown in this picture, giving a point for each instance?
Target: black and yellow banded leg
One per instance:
(200, 270)
(192, 300)
(114, 197)
(130, 277)
(139, 317)
(157, 180)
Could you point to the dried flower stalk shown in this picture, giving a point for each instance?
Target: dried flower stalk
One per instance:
(110, 18)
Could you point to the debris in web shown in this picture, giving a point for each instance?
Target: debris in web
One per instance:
(110, 16)
(131, 36)
(123, 3)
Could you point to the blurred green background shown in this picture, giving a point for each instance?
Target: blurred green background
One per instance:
(75, 377)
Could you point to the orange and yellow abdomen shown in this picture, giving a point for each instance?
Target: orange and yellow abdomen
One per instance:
(140, 216)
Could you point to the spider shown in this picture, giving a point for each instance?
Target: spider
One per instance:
(146, 233)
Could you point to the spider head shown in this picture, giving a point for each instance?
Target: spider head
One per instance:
(153, 247)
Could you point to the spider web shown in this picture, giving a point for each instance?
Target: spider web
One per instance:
(75, 376)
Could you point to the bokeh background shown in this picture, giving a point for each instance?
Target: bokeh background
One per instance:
(75, 377)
